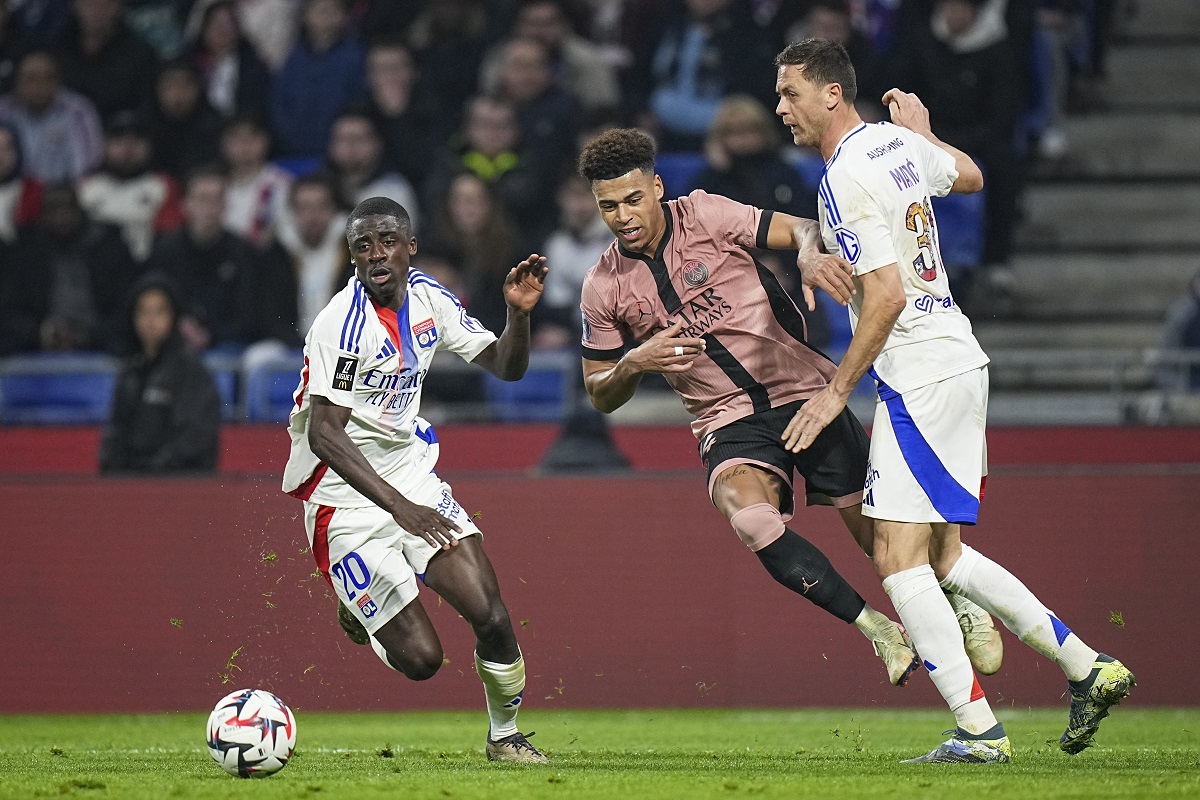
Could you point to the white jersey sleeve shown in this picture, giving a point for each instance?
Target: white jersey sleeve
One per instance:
(457, 331)
(862, 230)
(940, 171)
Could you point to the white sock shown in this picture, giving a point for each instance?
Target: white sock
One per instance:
(983, 581)
(503, 685)
(931, 623)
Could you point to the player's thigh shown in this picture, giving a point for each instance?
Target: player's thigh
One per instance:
(747, 464)
(410, 640)
(834, 467)
(360, 552)
(945, 547)
(928, 452)
(465, 578)
(900, 545)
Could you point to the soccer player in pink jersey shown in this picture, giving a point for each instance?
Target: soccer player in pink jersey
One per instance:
(928, 458)
(680, 283)
(377, 515)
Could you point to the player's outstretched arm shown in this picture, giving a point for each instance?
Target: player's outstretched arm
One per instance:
(329, 442)
(508, 357)
(909, 112)
(610, 384)
(818, 269)
(883, 300)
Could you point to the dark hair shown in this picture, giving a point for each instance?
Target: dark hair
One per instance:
(247, 119)
(823, 62)
(320, 179)
(380, 206)
(616, 152)
(209, 170)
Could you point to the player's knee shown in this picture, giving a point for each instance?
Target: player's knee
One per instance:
(757, 525)
(423, 668)
(414, 661)
(494, 624)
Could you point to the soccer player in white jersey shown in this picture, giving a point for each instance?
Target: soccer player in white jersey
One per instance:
(928, 456)
(378, 517)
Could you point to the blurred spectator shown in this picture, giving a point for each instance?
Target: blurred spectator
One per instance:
(184, 128)
(409, 126)
(744, 162)
(490, 148)
(576, 65)
(213, 268)
(449, 39)
(269, 25)
(235, 79)
(315, 239)
(20, 196)
(574, 248)
(473, 228)
(442, 267)
(12, 44)
(388, 17)
(59, 129)
(355, 160)
(103, 59)
(256, 200)
(962, 67)
(166, 411)
(159, 23)
(323, 74)
(708, 49)
(1181, 331)
(65, 284)
(830, 19)
(40, 20)
(126, 192)
(547, 113)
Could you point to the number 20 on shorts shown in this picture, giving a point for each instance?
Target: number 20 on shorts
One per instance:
(352, 570)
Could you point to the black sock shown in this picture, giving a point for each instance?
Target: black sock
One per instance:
(800, 566)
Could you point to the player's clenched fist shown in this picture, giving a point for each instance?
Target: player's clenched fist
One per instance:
(667, 351)
(907, 110)
(425, 522)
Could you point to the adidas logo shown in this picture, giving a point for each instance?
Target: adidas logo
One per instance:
(388, 349)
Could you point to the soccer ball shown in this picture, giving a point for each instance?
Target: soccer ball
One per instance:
(251, 733)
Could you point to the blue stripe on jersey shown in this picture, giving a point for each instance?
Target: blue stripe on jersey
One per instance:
(406, 340)
(427, 435)
(421, 279)
(356, 318)
(831, 209)
(947, 495)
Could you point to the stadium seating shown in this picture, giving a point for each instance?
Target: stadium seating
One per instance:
(677, 171)
(538, 397)
(270, 386)
(59, 389)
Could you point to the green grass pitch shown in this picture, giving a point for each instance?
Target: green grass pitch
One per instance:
(606, 754)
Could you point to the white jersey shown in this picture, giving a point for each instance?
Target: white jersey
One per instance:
(875, 210)
(373, 360)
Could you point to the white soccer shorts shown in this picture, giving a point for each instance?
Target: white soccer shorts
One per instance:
(373, 563)
(928, 452)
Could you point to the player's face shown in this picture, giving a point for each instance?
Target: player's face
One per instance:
(803, 105)
(630, 207)
(381, 249)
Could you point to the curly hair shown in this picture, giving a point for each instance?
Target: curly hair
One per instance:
(616, 152)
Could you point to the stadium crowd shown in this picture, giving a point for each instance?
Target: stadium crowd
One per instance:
(219, 144)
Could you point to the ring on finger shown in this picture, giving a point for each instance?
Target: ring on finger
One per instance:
(678, 350)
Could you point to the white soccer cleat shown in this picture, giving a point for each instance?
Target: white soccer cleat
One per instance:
(980, 637)
(892, 644)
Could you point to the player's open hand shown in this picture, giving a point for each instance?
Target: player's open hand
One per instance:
(523, 286)
(831, 273)
(812, 418)
(667, 351)
(425, 522)
(907, 111)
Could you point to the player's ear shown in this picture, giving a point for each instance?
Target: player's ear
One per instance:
(412, 245)
(659, 191)
(833, 95)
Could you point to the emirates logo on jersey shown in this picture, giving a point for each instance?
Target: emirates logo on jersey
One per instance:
(695, 273)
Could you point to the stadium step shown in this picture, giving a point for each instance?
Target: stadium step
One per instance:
(997, 335)
(1092, 285)
(1161, 19)
(1133, 216)
(1129, 146)
(1154, 76)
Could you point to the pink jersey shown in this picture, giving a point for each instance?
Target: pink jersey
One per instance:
(704, 278)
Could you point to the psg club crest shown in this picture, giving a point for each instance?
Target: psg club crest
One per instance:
(426, 333)
(694, 273)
